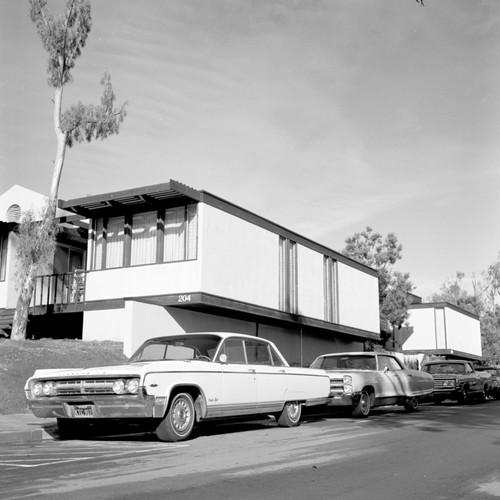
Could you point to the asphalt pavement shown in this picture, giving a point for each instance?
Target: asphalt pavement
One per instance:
(26, 428)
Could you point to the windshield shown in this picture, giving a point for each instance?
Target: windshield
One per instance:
(346, 362)
(445, 368)
(181, 347)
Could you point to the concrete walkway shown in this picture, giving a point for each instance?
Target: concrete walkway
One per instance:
(26, 428)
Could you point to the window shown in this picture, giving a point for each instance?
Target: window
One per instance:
(288, 275)
(67, 260)
(115, 237)
(388, 362)
(235, 352)
(143, 244)
(258, 353)
(330, 291)
(146, 238)
(180, 233)
(4, 239)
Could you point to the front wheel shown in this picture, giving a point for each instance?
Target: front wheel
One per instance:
(362, 409)
(411, 404)
(179, 421)
(290, 415)
(463, 396)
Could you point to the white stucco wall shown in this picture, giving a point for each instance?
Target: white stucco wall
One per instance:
(8, 291)
(358, 299)
(424, 329)
(463, 333)
(443, 328)
(159, 279)
(240, 259)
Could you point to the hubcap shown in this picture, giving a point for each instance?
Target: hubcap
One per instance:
(365, 403)
(181, 416)
(293, 410)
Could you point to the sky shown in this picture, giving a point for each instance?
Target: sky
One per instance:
(324, 116)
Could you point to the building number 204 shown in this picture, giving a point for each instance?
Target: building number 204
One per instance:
(184, 298)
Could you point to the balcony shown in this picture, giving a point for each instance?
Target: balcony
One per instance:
(59, 293)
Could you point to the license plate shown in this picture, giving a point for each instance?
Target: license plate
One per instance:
(84, 411)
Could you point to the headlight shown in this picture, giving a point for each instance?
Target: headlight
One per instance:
(119, 386)
(347, 379)
(133, 386)
(49, 389)
(37, 389)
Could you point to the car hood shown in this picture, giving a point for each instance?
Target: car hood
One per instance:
(132, 369)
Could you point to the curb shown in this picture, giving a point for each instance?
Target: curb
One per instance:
(22, 437)
(28, 436)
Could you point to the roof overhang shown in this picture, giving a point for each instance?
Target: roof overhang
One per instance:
(447, 353)
(132, 200)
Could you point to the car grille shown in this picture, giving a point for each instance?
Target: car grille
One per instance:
(84, 386)
(444, 384)
(336, 386)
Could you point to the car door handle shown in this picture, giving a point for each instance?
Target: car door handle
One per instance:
(251, 370)
(282, 371)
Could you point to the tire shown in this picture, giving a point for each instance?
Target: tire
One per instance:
(179, 420)
(482, 396)
(411, 404)
(463, 396)
(362, 409)
(290, 415)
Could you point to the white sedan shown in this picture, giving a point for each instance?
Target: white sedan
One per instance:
(362, 380)
(176, 381)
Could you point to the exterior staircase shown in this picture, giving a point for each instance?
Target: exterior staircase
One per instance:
(6, 320)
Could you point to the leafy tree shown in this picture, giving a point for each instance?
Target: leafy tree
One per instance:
(453, 292)
(372, 249)
(63, 37)
(483, 302)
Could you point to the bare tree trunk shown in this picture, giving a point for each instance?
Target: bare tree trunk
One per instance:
(20, 324)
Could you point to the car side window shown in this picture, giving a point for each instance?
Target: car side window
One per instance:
(235, 351)
(258, 353)
(388, 362)
(468, 368)
(276, 359)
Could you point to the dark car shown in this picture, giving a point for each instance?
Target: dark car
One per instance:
(457, 380)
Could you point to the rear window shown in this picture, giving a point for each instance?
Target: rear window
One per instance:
(445, 368)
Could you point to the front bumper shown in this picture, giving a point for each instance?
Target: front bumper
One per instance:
(341, 399)
(99, 407)
(446, 393)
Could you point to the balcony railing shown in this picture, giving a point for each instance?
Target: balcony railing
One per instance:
(60, 292)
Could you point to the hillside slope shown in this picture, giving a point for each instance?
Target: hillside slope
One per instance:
(18, 361)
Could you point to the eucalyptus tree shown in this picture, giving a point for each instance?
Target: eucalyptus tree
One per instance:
(63, 37)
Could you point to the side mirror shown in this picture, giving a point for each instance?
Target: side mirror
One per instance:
(385, 370)
(223, 358)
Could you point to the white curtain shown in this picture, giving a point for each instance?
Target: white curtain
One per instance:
(175, 234)
(114, 242)
(143, 250)
(192, 231)
(98, 244)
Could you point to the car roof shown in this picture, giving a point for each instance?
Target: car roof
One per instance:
(446, 362)
(354, 353)
(222, 335)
